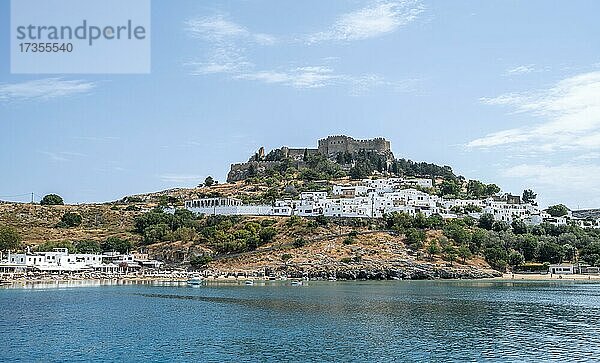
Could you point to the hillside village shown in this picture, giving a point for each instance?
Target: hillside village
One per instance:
(374, 198)
(347, 209)
(378, 195)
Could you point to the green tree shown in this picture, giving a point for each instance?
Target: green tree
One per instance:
(486, 221)
(88, 247)
(500, 226)
(209, 181)
(478, 236)
(496, 256)
(200, 261)
(117, 244)
(492, 189)
(549, 251)
(591, 254)
(185, 234)
(433, 249)
(465, 253)
(518, 226)
(435, 221)
(456, 231)
(450, 254)
(529, 196)
(569, 252)
(360, 171)
(70, 219)
(415, 238)
(559, 210)
(52, 199)
(299, 242)
(515, 259)
(450, 187)
(9, 239)
(476, 188)
(527, 245)
(267, 234)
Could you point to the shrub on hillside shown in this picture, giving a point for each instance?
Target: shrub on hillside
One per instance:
(52, 199)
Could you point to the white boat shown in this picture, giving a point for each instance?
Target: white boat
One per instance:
(196, 280)
(297, 283)
(249, 282)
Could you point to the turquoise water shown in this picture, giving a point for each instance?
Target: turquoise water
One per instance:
(439, 321)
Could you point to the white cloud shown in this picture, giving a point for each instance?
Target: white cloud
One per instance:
(575, 183)
(62, 156)
(180, 178)
(300, 77)
(218, 28)
(228, 41)
(223, 59)
(524, 69)
(588, 156)
(577, 176)
(43, 89)
(378, 19)
(569, 113)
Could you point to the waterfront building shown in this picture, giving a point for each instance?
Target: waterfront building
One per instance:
(565, 269)
(60, 260)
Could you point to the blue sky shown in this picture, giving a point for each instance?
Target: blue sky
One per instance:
(503, 91)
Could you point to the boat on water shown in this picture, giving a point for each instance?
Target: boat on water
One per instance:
(195, 280)
(297, 283)
(248, 282)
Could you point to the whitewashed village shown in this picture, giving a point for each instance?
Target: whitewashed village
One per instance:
(373, 198)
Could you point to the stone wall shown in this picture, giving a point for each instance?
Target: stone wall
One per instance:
(329, 146)
(335, 144)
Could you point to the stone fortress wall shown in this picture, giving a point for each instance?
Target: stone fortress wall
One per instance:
(333, 145)
(329, 147)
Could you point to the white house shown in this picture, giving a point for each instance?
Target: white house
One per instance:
(226, 206)
(59, 260)
(564, 269)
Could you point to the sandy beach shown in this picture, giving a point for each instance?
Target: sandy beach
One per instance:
(546, 277)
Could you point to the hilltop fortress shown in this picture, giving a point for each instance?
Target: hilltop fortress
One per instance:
(331, 147)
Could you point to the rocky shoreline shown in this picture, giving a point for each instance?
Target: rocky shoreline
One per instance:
(410, 271)
(372, 271)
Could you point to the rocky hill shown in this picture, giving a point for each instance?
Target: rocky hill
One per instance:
(343, 249)
(37, 224)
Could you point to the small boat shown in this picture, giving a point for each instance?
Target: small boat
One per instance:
(248, 282)
(196, 280)
(332, 278)
(297, 283)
